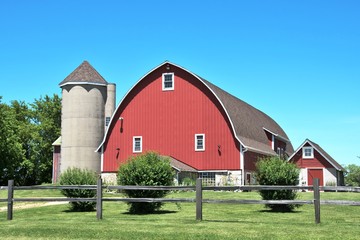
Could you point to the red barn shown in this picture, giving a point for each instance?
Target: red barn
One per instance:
(314, 162)
(204, 129)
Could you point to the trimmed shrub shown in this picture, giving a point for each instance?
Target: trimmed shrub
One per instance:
(76, 176)
(275, 171)
(148, 169)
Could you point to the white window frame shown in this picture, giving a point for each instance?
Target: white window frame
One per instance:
(280, 151)
(134, 144)
(304, 150)
(196, 143)
(208, 178)
(163, 82)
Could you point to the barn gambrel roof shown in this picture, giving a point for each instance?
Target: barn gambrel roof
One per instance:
(248, 123)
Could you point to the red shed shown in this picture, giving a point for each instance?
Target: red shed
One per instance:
(314, 162)
(178, 114)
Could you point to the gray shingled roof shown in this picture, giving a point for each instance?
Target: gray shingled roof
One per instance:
(84, 73)
(249, 122)
(180, 166)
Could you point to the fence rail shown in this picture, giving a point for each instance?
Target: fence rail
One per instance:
(99, 199)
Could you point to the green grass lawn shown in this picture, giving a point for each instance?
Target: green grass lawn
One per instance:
(220, 221)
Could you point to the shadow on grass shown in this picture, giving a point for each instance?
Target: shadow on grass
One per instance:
(244, 221)
(277, 211)
(77, 211)
(69, 210)
(160, 212)
(227, 221)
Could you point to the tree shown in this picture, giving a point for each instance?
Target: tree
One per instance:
(11, 150)
(47, 119)
(148, 169)
(275, 171)
(28, 136)
(27, 132)
(352, 175)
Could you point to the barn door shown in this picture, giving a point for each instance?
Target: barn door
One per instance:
(315, 173)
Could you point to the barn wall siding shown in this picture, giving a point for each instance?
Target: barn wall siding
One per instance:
(56, 163)
(251, 158)
(168, 122)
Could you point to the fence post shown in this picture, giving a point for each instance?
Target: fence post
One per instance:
(316, 200)
(99, 199)
(199, 199)
(10, 200)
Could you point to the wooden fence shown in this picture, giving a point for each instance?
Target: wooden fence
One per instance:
(198, 196)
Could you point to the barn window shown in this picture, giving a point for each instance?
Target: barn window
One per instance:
(308, 152)
(280, 152)
(167, 81)
(137, 144)
(199, 142)
(107, 121)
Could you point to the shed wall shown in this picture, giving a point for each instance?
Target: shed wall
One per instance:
(317, 162)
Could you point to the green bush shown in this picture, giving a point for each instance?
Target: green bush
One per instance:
(188, 182)
(275, 171)
(148, 169)
(76, 176)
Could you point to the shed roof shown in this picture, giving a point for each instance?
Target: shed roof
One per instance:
(180, 166)
(84, 74)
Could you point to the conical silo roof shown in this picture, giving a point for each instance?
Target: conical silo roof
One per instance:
(84, 74)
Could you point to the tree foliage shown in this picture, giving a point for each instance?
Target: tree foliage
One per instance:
(352, 177)
(26, 134)
(275, 171)
(76, 176)
(47, 118)
(148, 169)
(11, 151)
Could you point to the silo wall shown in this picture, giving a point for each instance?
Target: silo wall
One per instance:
(82, 130)
(111, 99)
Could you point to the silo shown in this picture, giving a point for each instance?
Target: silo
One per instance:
(84, 94)
(110, 102)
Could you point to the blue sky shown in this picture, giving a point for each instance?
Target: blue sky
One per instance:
(297, 61)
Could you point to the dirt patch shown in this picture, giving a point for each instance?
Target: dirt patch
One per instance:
(31, 205)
